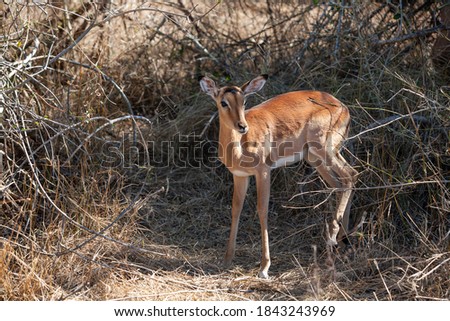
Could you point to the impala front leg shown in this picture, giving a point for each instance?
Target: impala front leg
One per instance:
(239, 192)
(263, 190)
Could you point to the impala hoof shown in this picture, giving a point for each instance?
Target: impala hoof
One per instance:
(263, 275)
(332, 242)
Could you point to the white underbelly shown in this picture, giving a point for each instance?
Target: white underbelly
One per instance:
(284, 161)
(238, 172)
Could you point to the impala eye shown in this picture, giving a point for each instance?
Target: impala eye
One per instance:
(224, 103)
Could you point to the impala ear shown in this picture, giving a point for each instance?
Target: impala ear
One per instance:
(254, 85)
(208, 86)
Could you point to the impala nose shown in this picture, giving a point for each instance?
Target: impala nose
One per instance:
(243, 128)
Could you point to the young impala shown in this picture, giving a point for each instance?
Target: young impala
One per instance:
(278, 132)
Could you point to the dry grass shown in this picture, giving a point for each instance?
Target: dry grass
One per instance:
(108, 185)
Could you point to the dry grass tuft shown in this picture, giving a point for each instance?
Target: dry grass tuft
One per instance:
(109, 185)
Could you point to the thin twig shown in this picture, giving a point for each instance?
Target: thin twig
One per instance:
(100, 233)
(98, 129)
(368, 188)
(382, 279)
(417, 34)
(384, 122)
(208, 123)
(337, 46)
(122, 94)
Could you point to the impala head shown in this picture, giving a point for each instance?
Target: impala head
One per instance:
(230, 100)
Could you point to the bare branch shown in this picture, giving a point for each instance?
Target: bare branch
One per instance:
(417, 34)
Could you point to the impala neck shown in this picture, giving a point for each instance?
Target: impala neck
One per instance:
(230, 149)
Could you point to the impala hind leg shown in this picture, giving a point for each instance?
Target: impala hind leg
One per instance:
(239, 191)
(347, 177)
(338, 174)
